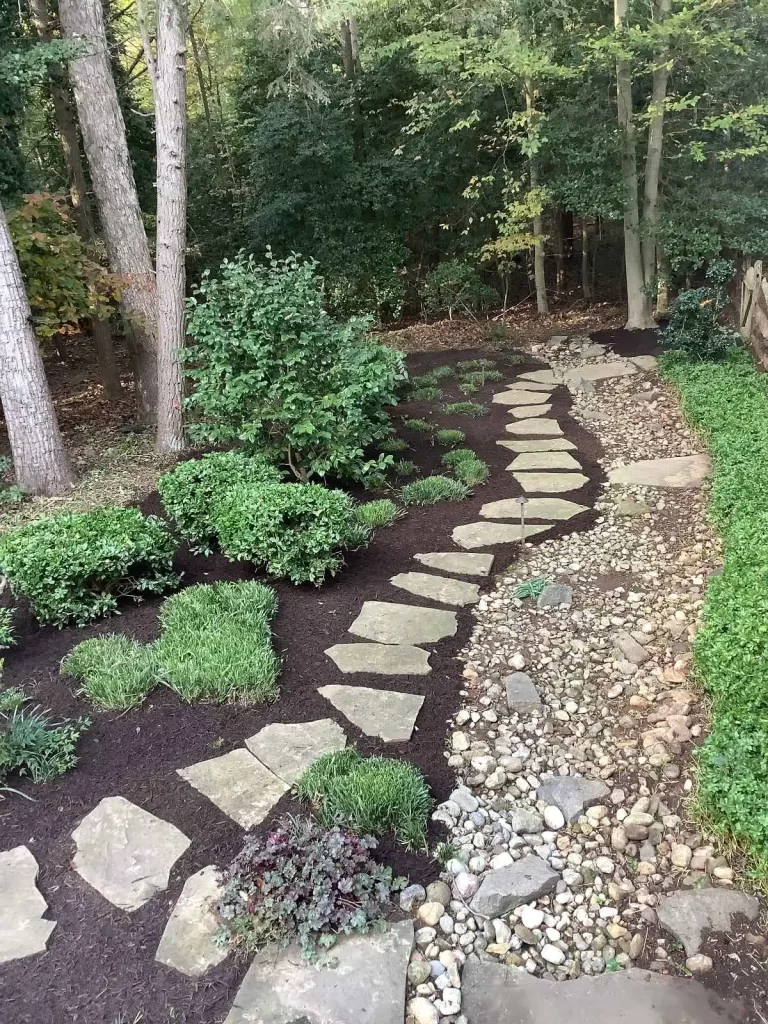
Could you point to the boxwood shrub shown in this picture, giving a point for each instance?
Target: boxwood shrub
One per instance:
(74, 567)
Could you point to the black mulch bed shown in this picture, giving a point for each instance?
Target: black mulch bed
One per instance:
(100, 962)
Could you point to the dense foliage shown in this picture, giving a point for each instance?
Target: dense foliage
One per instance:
(304, 883)
(695, 326)
(75, 567)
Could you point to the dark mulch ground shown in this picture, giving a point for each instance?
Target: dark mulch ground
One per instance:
(100, 962)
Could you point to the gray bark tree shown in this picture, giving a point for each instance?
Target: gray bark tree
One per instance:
(654, 152)
(103, 128)
(171, 132)
(538, 221)
(39, 457)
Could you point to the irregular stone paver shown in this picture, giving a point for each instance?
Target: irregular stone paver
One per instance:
(384, 713)
(544, 460)
(678, 471)
(602, 371)
(239, 784)
(390, 623)
(522, 694)
(23, 931)
(452, 561)
(630, 507)
(629, 648)
(187, 943)
(506, 888)
(381, 659)
(535, 508)
(688, 915)
(367, 985)
(437, 588)
(495, 994)
(543, 427)
(528, 411)
(551, 483)
(517, 397)
(288, 750)
(542, 376)
(554, 444)
(572, 794)
(529, 385)
(554, 595)
(125, 852)
(647, 363)
(484, 535)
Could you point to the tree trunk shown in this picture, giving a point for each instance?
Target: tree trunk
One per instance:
(663, 274)
(171, 133)
(351, 62)
(586, 277)
(558, 241)
(39, 457)
(538, 223)
(78, 192)
(146, 45)
(638, 303)
(654, 153)
(201, 79)
(103, 129)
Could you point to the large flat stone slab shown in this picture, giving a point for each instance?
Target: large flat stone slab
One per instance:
(522, 694)
(288, 750)
(646, 363)
(688, 915)
(495, 994)
(486, 535)
(380, 659)
(541, 427)
(437, 588)
(366, 987)
(678, 471)
(187, 943)
(544, 444)
(551, 483)
(506, 888)
(239, 784)
(601, 371)
(384, 713)
(23, 932)
(529, 385)
(572, 794)
(452, 561)
(544, 460)
(542, 376)
(125, 852)
(524, 412)
(516, 397)
(389, 623)
(556, 509)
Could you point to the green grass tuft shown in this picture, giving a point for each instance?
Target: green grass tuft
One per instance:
(473, 409)
(472, 365)
(425, 393)
(32, 744)
(420, 426)
(467, 466)
(378, 514)
(432, 489)
(468, 387)
(392, 445)
(404, 467)
(115, 671)
(448, 438)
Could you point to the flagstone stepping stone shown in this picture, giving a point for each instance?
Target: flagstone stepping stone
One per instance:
(690, 915)
(384, 713)
(544, 460)
(543, 427)
(437, 588)
(545, 444)
(486, 535)
(542, 376)
(529, 385)
(535, 508)
(239, 784)
(572, 794)
(451, 561)
(390, 623)
(125, 852)
(522, 694)
(367, 984)
(526, 411)
(602, 371)
(516, 397)
(288, 750)
(678, 471)
(506, 888)
(551, 483)
(187, 943)
(646, 363)
(23, 932)
(381, 659)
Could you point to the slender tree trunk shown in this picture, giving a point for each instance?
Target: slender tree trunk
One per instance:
(146, 45)
(171, 132)
(663, 275)
(39, 457)
(351, 63)
(558, 240)
(103, 129)
(586, 277)
(201, 79)
(538, 222)
(638, 303)
(654, 153)
(78, 192)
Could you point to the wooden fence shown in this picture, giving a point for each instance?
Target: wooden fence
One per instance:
(753, 310)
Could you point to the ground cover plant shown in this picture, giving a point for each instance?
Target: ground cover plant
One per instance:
(392, 445)
(728, 401)
(369, 794)
(431, 489)
(473, 409)
(404, 467)
(426, 393)
(467, 466)
(449, 437)
(419, 425)
(74, 567)
(191, 488)
(33, 744)
(304, 882)
(378, 514)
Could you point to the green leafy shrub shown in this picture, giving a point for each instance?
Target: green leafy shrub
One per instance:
(74, 567)
(454, 285)
(447, 438)
(190, 490)
(694, 327)
(392, 445)
(432, 489)
(473, 409)
(369, 794)
(420, 426)
(377, 514)
(296, 531)
(467, 467)
(307, 883)
(115, 671)
(34, 745)
(272, 371)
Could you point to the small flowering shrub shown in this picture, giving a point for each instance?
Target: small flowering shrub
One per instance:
(303, 883)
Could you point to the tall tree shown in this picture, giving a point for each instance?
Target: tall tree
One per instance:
(40, 459)
(171, 131)
(540, 280)
(661, 9)
(103, 129)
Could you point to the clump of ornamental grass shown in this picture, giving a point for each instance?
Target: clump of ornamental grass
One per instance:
(418, 425)
(467, 467)
(378, 514)
(448, 438)
(432, 489)
(473, 409)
